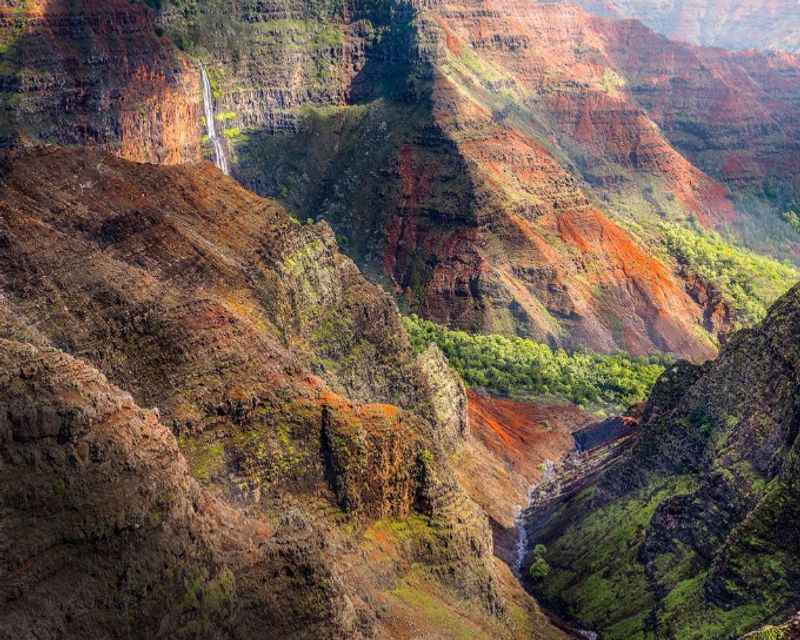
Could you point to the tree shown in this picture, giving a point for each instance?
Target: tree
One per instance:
(539, 569)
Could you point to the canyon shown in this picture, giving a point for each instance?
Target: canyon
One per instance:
(681, 526)
(220, 223)
(210, 421)
(499, 166)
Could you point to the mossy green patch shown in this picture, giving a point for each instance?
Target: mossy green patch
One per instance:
(749, 281)
(206, 457)
(595, 567)
(437, 611)
(689, 615)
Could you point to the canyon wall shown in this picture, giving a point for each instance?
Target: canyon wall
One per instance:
(208, 410)
(500, 166)
(685, 532)
(96, 73)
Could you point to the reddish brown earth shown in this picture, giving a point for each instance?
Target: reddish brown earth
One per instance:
(518, 87)
(734, 114)
(206, 414)
(485, 158)
(97, 73)
(524, 434)
(508, 444)
(605, 84)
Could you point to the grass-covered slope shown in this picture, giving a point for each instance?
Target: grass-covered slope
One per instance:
(693, 534)
(748, 282)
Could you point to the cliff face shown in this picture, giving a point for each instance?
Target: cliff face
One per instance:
(471, 182)
(96, 73)
(293, 432)
(770, 24)
(501, 167)
(101, 515)
(700, 502)
(734, 115)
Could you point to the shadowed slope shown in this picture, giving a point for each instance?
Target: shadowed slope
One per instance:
(689, 533)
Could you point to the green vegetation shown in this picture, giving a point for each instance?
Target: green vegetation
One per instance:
(207, 459)
(750, 282)
(208, 599)
(793, 218)
(612, 82)
(437, 608)
(769, 632)
(522, 367)
(608, 588)
(539, 568)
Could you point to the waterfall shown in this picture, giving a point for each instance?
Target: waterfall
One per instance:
(521, 547)
(208, 105)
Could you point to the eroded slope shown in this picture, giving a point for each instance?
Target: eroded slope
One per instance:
(503, 167)
(284, 379)
(690, 533)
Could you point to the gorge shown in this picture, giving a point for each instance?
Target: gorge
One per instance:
(377, 319)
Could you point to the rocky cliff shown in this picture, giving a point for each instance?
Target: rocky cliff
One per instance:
(501, 167)
(513, 174)
(687, 533)
(96, 73)
(290, 471)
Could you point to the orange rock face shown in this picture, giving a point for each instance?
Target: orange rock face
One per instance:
(547, 107)
(524, 434)
(97, 73)
(509, 444)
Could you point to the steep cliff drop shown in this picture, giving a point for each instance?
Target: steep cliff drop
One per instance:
(272, 491)
(208, 107)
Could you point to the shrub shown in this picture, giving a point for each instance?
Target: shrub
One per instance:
(793, 218)
(539, 569)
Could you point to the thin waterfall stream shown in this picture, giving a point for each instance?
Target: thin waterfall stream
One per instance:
(208, 106)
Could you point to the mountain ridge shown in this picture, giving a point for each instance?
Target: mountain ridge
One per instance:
(293, 433)
(700, 501)
(487, 194)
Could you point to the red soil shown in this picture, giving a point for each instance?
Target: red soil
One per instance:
(524, 434)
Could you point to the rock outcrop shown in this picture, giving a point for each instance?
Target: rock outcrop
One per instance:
(97, 73)
(106, 534)
(486, 204)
